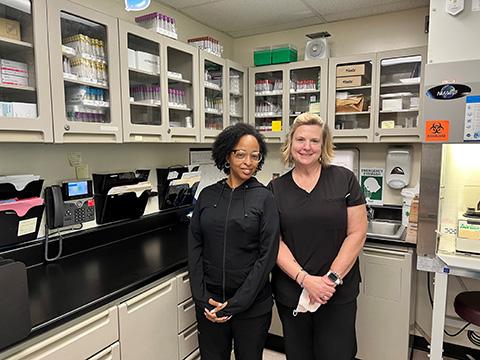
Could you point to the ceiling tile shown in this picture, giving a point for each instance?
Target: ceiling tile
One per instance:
(181, 4)
(239, 15)
(277, 27)
(374, 10)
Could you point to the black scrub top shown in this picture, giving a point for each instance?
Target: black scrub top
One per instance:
(313, 226)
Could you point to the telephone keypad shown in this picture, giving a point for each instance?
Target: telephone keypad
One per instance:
(77, 212)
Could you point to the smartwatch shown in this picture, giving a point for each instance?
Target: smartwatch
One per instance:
(336, 279)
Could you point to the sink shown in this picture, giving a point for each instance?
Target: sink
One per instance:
(385, 228)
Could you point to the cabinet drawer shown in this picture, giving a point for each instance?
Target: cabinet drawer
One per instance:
(183, 286)
(186, 314)
(110, 353)
(187, 341)
(194, 356)
(80, 341)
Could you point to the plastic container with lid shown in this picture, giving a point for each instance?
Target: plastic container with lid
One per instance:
(284, 53)
(262, 56)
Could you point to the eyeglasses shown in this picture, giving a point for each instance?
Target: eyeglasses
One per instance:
(242, 155)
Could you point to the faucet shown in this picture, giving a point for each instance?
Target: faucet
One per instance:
(370, 213)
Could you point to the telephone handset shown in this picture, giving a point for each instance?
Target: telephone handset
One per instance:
(54, 206)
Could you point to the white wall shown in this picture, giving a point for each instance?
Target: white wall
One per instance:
(187, 28)
(358, 36)
(453, 38)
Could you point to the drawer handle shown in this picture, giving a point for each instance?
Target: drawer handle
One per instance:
(67, 337)
(190, 332)
(106, 354)
(145, 297)
(377, 252)
(188, 305)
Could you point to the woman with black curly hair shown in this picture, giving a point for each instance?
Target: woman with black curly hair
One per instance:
(232, 247)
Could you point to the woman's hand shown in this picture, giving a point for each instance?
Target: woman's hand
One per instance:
(212, 314)
(320, 288)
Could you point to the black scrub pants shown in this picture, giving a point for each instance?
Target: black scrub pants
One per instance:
(327, 334)
(248, 335)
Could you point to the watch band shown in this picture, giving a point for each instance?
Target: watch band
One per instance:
(332, 275)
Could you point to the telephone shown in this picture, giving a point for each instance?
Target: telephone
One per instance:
(69, 204)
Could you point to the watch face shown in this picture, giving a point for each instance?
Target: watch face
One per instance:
(333, 277)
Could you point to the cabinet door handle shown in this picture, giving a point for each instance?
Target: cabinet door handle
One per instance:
(190, 332)
(397, 254)
(148, 295)
(188, 305)
(106, 354)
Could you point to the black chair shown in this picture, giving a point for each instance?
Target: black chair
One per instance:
(467, 306)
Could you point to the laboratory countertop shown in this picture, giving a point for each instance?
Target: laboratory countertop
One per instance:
(79, 283)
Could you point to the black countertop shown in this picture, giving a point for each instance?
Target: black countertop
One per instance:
(81, 282)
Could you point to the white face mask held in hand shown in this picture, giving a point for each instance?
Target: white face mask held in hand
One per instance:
(304, 304)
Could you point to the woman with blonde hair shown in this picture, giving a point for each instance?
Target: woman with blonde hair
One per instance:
(323, 226)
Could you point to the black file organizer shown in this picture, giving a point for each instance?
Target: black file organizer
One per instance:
(14, 303)
(114, 207)
(10, 220)
(177, 195)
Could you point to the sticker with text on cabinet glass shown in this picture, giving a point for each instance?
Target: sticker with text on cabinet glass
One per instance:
(436, 130)
(371, 182)
(471, 131)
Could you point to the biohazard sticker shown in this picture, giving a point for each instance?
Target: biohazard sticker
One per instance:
(436, 130)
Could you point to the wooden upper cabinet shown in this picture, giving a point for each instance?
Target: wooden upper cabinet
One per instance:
(85, 76)
(25, 101)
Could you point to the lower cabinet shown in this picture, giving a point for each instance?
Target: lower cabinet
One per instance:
(148, 324)
(156, 324)
(82, 340)
(386, 303)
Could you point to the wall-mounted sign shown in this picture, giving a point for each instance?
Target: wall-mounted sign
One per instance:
(436, 130)
(371, 181)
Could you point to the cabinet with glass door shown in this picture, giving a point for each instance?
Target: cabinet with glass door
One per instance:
(352, 87)
(237, 93)
(213, 95)
(181, 92)
(25, 99)
(268, 101)
(140, 60)
(307, 88)
(84, 65)
(399, 95)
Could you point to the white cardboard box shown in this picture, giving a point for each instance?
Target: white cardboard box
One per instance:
(132, 59)
(6, 109)
(394, 104)
(24, 110)
(148, 62)
(13, 80)
(16, 68)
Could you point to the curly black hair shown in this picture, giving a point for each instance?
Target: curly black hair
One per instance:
(229, 138)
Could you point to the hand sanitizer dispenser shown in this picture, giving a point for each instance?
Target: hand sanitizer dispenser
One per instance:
(398, 167)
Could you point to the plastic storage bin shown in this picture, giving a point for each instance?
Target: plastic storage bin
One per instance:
(284, 54)
(262, 56)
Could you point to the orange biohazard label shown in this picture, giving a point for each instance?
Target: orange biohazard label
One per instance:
(436, 130)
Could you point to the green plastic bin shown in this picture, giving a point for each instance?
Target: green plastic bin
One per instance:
(262, 56)
(284, 54)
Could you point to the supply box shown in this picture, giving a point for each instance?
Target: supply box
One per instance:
(262, 56)
(284, 53)
(10, 29)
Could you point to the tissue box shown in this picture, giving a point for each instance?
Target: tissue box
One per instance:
(132, 59)
(24, 110)
(148, 62)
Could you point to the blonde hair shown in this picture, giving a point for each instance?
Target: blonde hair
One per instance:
(327, 140)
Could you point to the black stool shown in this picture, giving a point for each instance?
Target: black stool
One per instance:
(467, 306)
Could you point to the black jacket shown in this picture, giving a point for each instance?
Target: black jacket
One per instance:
(232, 247)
